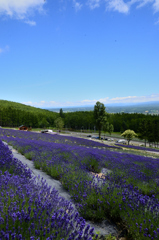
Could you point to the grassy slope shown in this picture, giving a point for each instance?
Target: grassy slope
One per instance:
(20, 106)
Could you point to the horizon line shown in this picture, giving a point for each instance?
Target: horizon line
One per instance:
(109, 104)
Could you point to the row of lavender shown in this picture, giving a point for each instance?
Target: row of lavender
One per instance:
(119, 196)
(138, 147)
(131, 168)
(29, 209)
(69, 140)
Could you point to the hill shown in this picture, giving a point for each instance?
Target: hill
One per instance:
(14, 114)
(20, 106)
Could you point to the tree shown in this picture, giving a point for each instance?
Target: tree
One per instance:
(143, 130)
(105, 127)
(43, 123)
(129, 135)
(99, 116)
(59, 123)
(111, 128)
(61, 113)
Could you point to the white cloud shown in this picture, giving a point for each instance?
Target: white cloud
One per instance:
(121, 5)
(107, 100)
(77, 5)
(118, 5)
(156, 5)
(40, 104)
(20, 9)
(142, 3)
(6, 48)
(124, 98)
(31, 23)
(28, 103)
(135, 99)
(93, 3)
(103, 99)
(124, 7)
(88, 101)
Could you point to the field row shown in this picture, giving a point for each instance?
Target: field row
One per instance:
(29, 209)
(129, 194)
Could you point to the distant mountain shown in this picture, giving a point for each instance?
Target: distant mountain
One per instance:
(72, 109)
(145, 108)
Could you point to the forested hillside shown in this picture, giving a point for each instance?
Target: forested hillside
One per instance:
(15, 114)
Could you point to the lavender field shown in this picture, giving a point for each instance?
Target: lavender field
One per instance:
(29, 209)
(128, 195)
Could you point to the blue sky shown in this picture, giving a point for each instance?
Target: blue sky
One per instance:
(74, 52)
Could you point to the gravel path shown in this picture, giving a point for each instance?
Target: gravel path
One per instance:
(104, 228)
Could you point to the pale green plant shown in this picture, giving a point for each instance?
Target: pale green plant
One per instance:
(108, 237)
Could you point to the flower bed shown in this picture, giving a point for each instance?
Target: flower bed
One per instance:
(129, 194)
(54, 138)
(29, 209)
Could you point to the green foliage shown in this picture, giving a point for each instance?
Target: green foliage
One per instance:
(29, 155)
(96, 236)
(143, 130)
(149, 130)
(105, 127)
(21, 150)
(55, 171)
(59, 123)
(61, 113)
(99, 116)
(72, 178)
(15, 114)
(111, 128)
(77, 120)
(110, 237)
(92, 164)
(129, 135)
(94, 208)
(43, 123)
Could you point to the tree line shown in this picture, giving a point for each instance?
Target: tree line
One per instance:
(16, 114)
(149, 131)
(147, 126)
(120, 121)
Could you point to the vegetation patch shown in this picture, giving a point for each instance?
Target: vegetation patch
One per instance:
(129, 195)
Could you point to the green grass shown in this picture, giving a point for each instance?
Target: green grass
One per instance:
(136, 152)
(29, 155)
(92, 164)
(108, 237)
